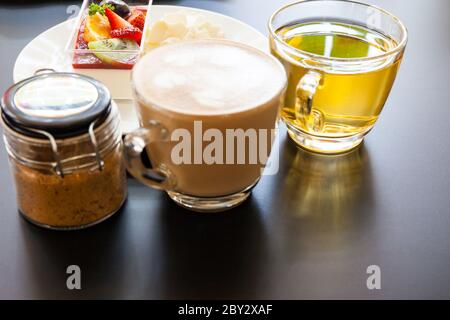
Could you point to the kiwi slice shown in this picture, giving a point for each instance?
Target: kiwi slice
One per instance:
(114, 45)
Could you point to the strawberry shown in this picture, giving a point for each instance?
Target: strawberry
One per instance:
(137, 19)
(116, 21)
(131, 33)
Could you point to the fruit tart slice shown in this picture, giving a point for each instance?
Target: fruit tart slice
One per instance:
(109, 35)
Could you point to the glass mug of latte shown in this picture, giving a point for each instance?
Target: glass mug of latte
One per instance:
(207, 110)
(341, 58)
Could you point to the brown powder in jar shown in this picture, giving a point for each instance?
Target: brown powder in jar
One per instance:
(77, 199)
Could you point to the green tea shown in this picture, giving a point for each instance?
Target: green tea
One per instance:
(351, 93)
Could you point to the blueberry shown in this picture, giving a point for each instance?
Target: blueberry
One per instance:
(120, 7)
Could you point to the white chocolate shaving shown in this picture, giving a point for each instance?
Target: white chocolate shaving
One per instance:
(177, 26)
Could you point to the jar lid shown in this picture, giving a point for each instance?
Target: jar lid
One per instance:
(62, 104)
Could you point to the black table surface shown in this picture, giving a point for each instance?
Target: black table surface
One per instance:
(310, 231)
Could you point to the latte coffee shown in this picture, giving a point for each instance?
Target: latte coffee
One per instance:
(217, 102)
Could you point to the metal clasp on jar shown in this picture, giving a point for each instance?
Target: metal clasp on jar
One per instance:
(58, 165)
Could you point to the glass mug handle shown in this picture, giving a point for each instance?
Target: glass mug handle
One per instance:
(134, 144)
(304, 94)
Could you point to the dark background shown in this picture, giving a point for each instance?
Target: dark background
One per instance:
(308, 232)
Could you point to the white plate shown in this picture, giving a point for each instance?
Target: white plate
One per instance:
(47, 51)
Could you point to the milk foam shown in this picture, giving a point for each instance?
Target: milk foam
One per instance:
(207, 77)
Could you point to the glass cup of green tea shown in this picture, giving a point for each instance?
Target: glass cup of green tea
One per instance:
(341, 58)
